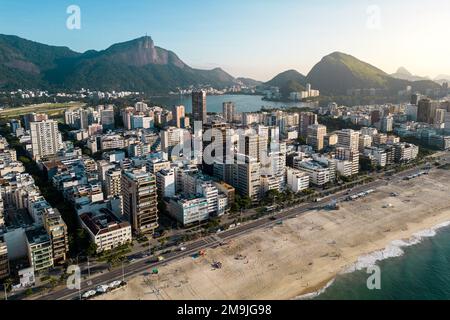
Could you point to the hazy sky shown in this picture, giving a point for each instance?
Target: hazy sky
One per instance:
(251, 38)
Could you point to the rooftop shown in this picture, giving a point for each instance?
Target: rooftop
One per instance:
(37, 236)
(103, 222)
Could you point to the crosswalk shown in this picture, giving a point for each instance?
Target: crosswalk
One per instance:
(210, 240)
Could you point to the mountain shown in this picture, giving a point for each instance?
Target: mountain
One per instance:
(249, 82)
(136, 65)
(288, 81)
(284, 77)
(442, 78)
(338, 72)
(139, 65)
(403, 74)
(23, 62)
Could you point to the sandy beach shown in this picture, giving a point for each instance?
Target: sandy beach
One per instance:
(305, 253)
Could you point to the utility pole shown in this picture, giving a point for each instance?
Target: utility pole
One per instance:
(6, 293)
(149, 246)
(123, 273)
(89, 269)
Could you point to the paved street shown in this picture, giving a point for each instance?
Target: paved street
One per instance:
(144, 264)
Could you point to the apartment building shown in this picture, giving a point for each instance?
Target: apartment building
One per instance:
(40, 250)
(319, 174)
(106, 230)
(316, 135)
(348, 138)
(46, 139)
(351, 155)
(165, 182)
(246, 177)
(140, 200)
(188, 211)
(113, 182)
(57, 230)
(4, 260)
(404, 152)
(297, 180)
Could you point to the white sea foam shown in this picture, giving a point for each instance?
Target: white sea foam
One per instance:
(394, 249)
(315, 294)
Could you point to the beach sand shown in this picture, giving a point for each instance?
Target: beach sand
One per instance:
(305, 253)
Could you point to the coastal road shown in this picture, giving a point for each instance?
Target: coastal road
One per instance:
(130, 270)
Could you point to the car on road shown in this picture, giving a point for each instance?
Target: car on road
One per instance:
(89, 294)
(183, 249)
(115, 284)
(102, 288)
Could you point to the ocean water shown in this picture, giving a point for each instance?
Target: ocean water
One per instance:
(243, 103)
(421, 271)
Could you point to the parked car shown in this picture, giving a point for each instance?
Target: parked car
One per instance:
(89, 294)
(102, 288)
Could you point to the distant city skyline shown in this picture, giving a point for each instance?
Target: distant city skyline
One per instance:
(256, 39)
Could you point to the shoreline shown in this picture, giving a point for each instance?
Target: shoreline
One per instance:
(303, 257)
(393, 250)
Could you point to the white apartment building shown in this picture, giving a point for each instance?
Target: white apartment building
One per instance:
(297, 180)
(379, 154)
(165, 183)
(316, 135)
(405, 152)
(364, 142)
(105, 230)
(348, 138)
(351, 155)
(172, 137)
(46, 139)
(318, 175)
(269, 182)
(344, 167)
(188, 211)
(210, 192)
(369, 131)
(112, 141)
(222, 204)
(156, 165)
(229, 111)
(246, 176)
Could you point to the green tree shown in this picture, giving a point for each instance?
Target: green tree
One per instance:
(91, 249)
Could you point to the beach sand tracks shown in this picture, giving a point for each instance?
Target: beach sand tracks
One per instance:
(304, 253)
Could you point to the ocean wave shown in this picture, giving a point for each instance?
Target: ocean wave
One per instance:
(313, 295)
(394, 249)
